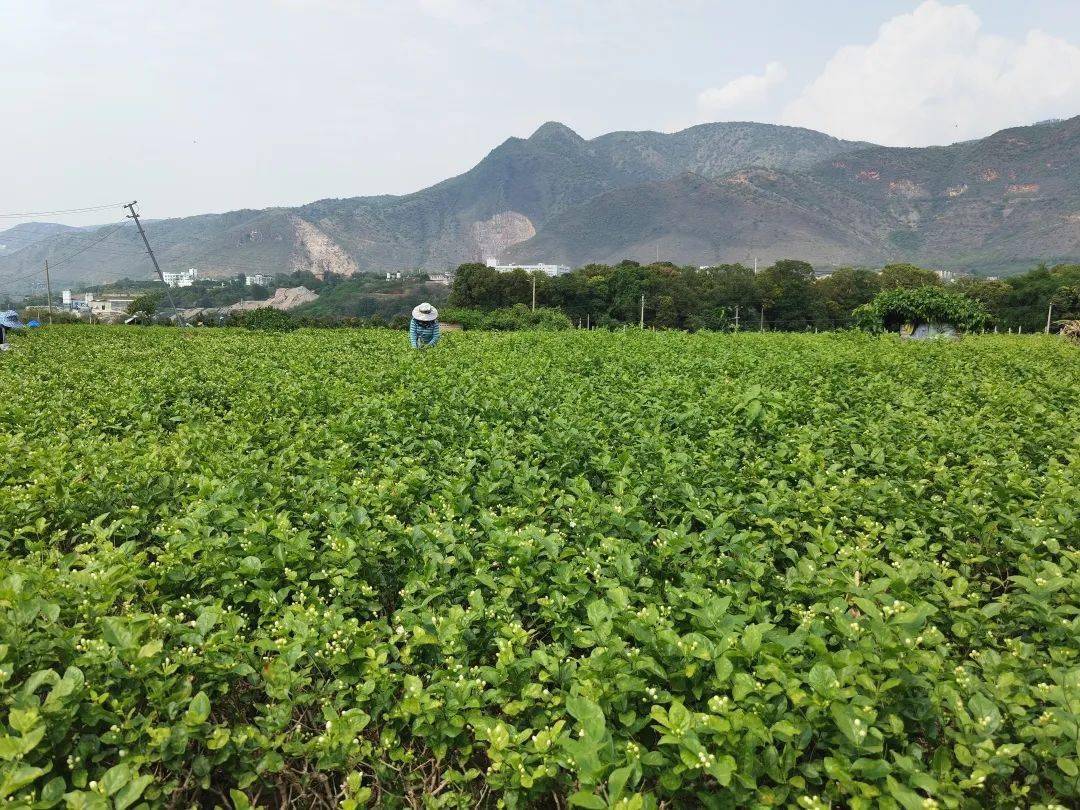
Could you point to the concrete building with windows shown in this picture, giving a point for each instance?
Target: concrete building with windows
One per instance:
(546, 269)
(110, 306)
(259, 280)
(183, 278)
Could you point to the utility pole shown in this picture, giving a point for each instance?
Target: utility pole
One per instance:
(49, 286)
(534, 292)
(168, 292)
(1048, 311)
(761, 326)
(587, 324)
(736, 317)
(641, 322)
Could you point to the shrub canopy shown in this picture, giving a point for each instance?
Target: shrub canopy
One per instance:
(930, 304)
(268, 319)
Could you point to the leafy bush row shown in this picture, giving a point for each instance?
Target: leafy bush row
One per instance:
(510, 319)
(538, 569)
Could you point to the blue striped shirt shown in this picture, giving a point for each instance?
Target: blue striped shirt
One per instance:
(423, 333)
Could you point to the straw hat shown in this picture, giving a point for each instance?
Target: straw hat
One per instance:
(425, 312)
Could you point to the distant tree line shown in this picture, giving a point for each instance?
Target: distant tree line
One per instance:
(357, 299)
(783, 296)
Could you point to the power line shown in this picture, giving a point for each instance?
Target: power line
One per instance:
(12, 281)
(102, 238)
(61, 211)
(16, 245)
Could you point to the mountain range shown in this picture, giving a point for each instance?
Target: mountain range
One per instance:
(721, 192)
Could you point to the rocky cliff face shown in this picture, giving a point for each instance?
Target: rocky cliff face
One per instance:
(318, 253)
(495, 234)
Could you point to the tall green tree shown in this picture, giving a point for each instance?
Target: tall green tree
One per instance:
(844, 290)
(477, 286)
(667, 317)
(993, 295)
(786, 290)
(907, 277)
(145, 306)
(515, 288)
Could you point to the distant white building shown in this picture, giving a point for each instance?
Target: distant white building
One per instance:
(441, 278)
(258, 280)
(546, 269)
(184, 278)
(68, 301)
(111, 306)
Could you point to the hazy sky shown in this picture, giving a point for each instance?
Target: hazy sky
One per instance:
(194, 107)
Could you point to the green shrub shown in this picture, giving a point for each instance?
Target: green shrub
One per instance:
(890, 309)
(515, 318)
(269, 319)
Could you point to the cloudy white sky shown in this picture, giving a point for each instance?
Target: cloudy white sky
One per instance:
(209, 106)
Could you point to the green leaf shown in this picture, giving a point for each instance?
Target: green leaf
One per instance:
(132, 791)
(617, 780)
(206, 621)
(34, 682)
(585, 799)
(723, 768)
(985, 714)
(751, 639)
(851, 724)
(72, 682)
(822, 679)
(22, 720)
(963, 755)
(218, 738)
(249, 567)
(53, 792)
(722, 668)
(871, 768)
(29, 740)
(198, 710)
(116, 633)
(907, 797)
(150, 648)
(590, 715)
(499, 737)
(17, 776)
(115, 778)
(271, 762)
(678, 718)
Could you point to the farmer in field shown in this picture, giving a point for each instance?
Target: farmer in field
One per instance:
(424, 326)
(8, 320)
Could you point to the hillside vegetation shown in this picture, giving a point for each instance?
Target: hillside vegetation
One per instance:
(574, 568)
(710, 194)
